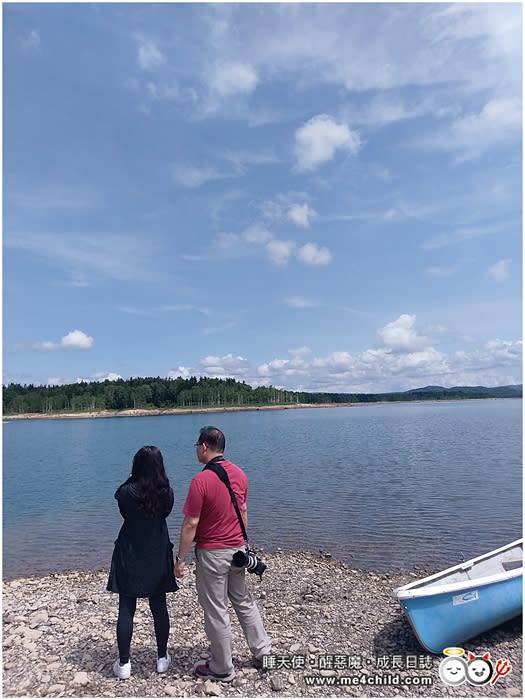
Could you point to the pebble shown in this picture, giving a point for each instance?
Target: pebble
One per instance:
(56, 689)
(81, 678)
(277, 683)
(172, 691)
(59, 637)
(38, 618)
(211, 688)
(32, 633)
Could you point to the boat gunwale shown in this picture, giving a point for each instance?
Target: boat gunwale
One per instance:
(418, 589)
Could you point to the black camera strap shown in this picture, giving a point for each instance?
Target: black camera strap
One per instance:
(214, 466)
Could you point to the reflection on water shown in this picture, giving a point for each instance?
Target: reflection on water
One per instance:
(381, 487)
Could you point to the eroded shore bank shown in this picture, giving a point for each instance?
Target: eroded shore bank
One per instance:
(141, 412)
(326, 620)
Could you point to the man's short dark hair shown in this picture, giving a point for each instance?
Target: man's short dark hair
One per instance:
(213, 437)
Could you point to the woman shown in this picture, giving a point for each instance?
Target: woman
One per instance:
(142, 562)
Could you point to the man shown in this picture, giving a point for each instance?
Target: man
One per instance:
(211, 521)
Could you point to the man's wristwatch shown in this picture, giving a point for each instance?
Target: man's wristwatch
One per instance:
(178, 559)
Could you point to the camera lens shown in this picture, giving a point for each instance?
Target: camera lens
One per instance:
(240, 558)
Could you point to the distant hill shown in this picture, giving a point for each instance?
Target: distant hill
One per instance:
(501, 392)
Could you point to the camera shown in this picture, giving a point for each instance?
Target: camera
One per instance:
(250, 561)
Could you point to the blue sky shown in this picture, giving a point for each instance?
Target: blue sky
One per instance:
(318, 197)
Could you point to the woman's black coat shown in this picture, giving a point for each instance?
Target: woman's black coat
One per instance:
(142, 562)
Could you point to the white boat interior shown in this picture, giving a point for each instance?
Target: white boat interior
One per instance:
(496, 562)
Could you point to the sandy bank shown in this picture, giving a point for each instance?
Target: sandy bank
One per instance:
(139, 412)
(59, 638)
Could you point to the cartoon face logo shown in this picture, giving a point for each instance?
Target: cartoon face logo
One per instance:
(453, 670)
(479, 669)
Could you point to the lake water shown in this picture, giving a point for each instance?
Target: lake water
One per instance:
(384, 486)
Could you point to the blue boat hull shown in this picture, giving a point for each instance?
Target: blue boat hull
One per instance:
(448, 619)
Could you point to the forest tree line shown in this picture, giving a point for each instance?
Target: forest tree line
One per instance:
(204, 392)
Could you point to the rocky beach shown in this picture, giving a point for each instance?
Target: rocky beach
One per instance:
(327, 622)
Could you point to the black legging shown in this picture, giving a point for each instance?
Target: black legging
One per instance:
(161, 621)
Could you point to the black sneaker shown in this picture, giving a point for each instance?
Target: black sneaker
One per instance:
(257, 663)
(202, 670)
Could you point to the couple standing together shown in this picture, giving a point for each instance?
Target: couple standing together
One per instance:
(142, 565)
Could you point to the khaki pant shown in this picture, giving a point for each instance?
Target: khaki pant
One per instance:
(217, 581)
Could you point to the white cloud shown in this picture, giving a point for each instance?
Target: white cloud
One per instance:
(498, 123)
(317, 141)
(220, 367)
(470, 46)
(100, 377)
(55, 381)
(301, 214)
(401, 335)
(75, 340)
(225, 365)
(312, 254)
(149, 56)
(232, 78)
(461, 48)
(289, 206)
(181, 371)
(406, 361)
(103, 376)
(500, 271)
(257, 234)
(280, 251)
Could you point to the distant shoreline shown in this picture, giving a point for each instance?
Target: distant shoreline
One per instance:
(142, 412)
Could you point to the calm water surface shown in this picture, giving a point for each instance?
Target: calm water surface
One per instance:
(381, 487)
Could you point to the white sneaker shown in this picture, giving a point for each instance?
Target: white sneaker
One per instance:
(122, 671)
(163, 663)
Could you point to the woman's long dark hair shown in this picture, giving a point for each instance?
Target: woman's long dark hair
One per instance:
(150, 482)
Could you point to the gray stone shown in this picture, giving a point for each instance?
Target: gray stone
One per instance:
(32, 633)
(211, 688)
(277, 682)
(38, 618)
(353, 613)
(172, 691)
(81, 678)
(56, 689)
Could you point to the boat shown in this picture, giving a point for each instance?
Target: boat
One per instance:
(459, 603)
